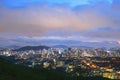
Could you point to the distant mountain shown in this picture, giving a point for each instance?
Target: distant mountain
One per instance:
(107, 44)
(32, 48)
(86, 47)
(80, 44)
(1, 49)
(60, 46)
(68, 43)
(64, 46)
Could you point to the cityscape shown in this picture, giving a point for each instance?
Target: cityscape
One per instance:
(59, 39)
(88, 62)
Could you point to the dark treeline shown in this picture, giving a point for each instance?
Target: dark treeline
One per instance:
(10, 71)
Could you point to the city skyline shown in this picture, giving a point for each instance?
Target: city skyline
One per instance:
(35, 22)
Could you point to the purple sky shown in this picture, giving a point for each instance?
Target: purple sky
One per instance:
(25, 21)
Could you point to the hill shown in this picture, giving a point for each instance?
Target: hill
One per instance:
(60, 46)
(32, 48)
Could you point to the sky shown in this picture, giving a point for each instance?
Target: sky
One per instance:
(35, 22)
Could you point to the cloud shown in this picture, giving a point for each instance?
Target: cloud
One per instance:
(33, 22)
(37, 20)
(103, 34)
